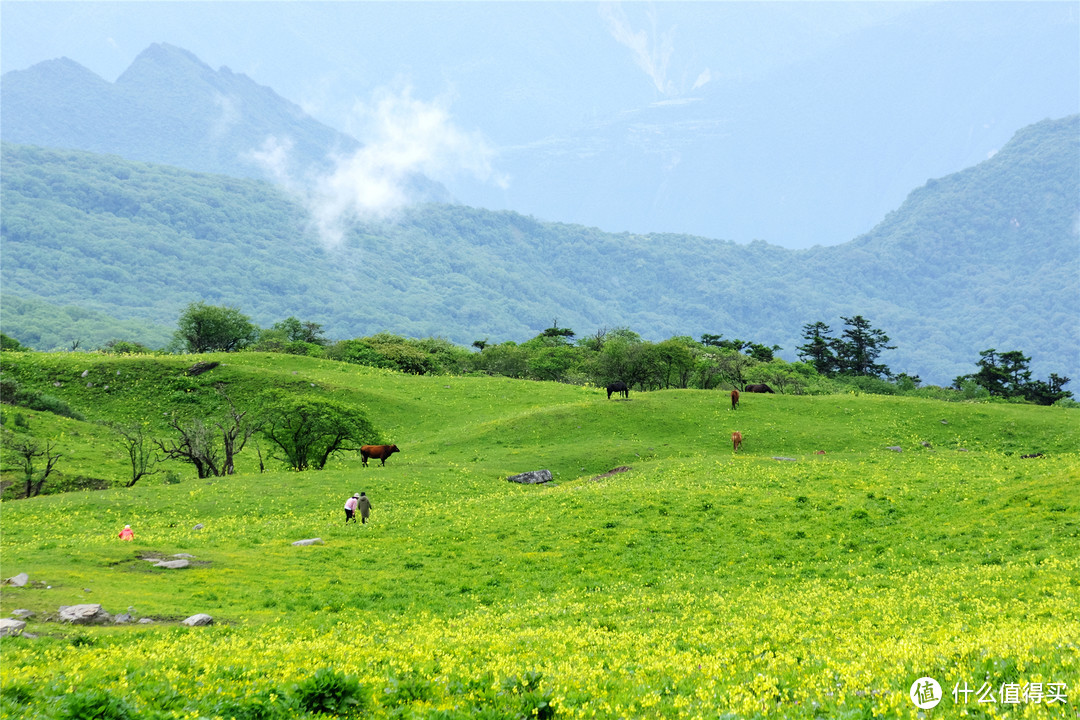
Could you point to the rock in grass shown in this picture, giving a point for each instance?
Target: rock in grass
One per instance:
(23, 613)
(198, 620)
(310, 541)
(785, 459)
(895, 448)
(174, 564)
(19, 580)
(87, 614)
(533, 477)
(9, 626)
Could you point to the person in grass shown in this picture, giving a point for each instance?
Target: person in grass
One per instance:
(365, 507)
(350, 508)
(127, 533)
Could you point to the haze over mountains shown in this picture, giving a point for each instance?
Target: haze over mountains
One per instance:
(795, 123)
(983, 258)
(130, 244)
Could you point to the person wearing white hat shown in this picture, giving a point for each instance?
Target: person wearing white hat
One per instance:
(350, 508)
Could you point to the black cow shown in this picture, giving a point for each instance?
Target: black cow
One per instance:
(618, 387)
(761, 388)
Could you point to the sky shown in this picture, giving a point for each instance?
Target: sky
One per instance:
(799, 123)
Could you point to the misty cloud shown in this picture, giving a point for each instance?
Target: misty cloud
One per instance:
(404, 137)
(652, 52)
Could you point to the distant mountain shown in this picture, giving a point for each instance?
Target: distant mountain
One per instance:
(989, 257)
(169, 107)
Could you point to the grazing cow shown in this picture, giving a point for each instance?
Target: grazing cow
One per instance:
(734, 399)
(760, 388)
(736, 440)
(618, 387)
(379, 452)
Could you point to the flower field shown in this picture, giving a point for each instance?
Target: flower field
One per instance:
(697, 584)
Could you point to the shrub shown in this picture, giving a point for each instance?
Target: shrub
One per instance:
(331, 693)
(95, 705)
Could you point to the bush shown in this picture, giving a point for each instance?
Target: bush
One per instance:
(12, 394)
(95, 705)
(331, 693)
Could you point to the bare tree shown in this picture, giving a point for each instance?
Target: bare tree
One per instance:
(196, 446)
(236, 430)
(140, 451)
(26, 455)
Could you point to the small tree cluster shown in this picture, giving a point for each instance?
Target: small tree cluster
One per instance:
(1006, 375)
(854, 353)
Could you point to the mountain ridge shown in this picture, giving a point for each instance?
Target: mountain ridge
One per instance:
(147, 239)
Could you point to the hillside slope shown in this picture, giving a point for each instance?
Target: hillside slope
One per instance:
(695, 582)
(940, 275)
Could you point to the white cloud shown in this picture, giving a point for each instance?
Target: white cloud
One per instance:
(403, 137)
(703, 79)
(652, 52)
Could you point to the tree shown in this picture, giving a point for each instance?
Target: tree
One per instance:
(859, 346)
(213, 328)
(196, 446)
(26, 454)
(296, 331)
(308, 432)
(1006, 375)
(236, 429)
(140, 451)
(818, 350)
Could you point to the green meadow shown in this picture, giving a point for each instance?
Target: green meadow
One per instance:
(815, 573)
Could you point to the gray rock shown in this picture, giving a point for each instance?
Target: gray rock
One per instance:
(88, 614)
(533, 477)
(785, 459)
(9, 626)
(23, 613)
(123, 619)
(895, 448)
(174, 564)
(198, 620)
(198, 527)
(145, 621)
(310, 541)
(19, 580)
(184, 555)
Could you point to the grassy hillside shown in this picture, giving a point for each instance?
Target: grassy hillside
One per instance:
(138, 242)
(698, 583)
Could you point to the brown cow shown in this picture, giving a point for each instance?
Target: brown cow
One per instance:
(736, 440)
(734, 399)
(379, 452)
(760, 388)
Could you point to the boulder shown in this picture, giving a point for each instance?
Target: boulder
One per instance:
(198, 620)
(174, 564)
(10, 626)
(189, 556)
(198, 526)
(310, 541)
(23, 613)
(533, 477)
(895, 448)
(19, 580)
(123, 619)
(88, 614)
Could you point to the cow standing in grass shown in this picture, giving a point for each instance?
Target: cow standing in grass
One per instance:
(736, 440)
(734, 399)
(379, 452)
(618, 387)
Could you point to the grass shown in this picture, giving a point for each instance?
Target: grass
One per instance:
(698, 584)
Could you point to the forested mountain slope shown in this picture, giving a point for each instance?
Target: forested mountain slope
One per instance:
(984, 258)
